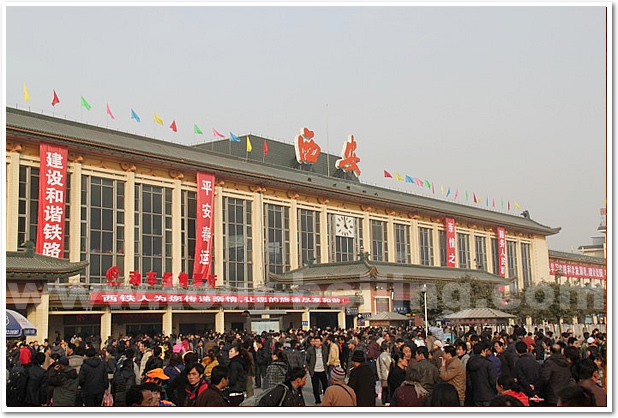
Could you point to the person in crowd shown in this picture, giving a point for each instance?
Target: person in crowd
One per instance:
(481, 375)
(317, 357)
(426, 371)
(124, 378)
(384, 367)
(93, 378)
(602, 369)
(507, 359)
(411, 392)
(504, 386)
(462, 352)
(338, 393)
(174, 367)
(36, 388)
(555, 375)
(527, 371)
(196, 383)
(288, 393)
(209, 362)
(276, 371)
(213, 395)
(64, 380)
(146, 353)
(140, 395)
(452, 371)
(362, 380)
(262, 361)
(586, 373)
(397, 373)
(437, 353)
(333, 352)
(238, 377)
(246, 351)
(444, 394)
(155, 361)
(575, 395)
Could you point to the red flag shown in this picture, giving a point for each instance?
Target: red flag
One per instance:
(265, 148)
(509, 205)
(56, 100)
(215, 133)
(387, 174)
(474, 195)
(173, 126)
(109, 112)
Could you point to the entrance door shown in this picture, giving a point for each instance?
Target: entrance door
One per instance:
(324, 319)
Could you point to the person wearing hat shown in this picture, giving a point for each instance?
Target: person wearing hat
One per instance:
(362, 380)
(158, 377)
(338, 393)
(63, 379)
(436, 353)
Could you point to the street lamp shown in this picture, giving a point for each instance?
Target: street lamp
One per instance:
(424, 291)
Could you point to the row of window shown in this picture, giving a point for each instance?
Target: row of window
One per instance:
(102, 240)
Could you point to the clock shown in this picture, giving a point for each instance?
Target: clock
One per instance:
(344, 226)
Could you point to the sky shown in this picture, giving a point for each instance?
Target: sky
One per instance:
(508, 103)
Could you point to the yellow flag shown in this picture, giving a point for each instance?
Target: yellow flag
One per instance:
(516, 205)
(249, 147)
(398, 177)
(158, 119)
(26, 95)
(442, 189)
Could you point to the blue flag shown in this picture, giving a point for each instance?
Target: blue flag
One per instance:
(448, 192)
(134, 116)
(234, 138)
(409, 179)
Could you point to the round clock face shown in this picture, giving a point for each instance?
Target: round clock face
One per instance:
(344, 226)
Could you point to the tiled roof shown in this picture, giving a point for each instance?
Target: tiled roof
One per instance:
(20, 265)
(182, 157)
(577, 257)
(479, 313)
(388, 316)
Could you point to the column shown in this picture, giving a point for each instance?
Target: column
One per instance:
(293, 235)
(306, 319)
(257, 227)
(106, 323)
(12, 201)
(366, 235)
(218, 234)
(414, 243)
(167, 321)
(75, 223)
(177, 256)
(341, 318)
(324, 235)
(129, 225)
(220, 322)
(435, 236)
(390, 240)
(39, 316)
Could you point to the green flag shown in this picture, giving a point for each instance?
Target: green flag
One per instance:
(196, 129)
(85, 103)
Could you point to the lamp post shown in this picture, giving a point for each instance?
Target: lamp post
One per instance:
(424, 290)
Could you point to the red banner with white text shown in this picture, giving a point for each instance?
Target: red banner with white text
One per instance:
(501, 251)
(450, 242)
(202, 267)
(579, 271)
(52, 198)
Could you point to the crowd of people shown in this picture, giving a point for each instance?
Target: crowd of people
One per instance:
(360, 367)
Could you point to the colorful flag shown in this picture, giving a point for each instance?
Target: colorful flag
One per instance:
(215, 133)
(409, 179)
(516, 205)
(85, 103)
(433, 189)
(173, 126)
(494, 202)
(487, 201)
(456, 193)
(55, 100)
(234, 138)
(134, 116)
(467, 196)
(428, 184)
(442, 190)
(509, 205)
(265, 148)
(398, 177)
(387, 174)
(158, 119)
(109, 112)
(418, 181)
(474, 196)
(448, 192)
(197, 130)
(502, 204)
(249, 147)
(26, 95)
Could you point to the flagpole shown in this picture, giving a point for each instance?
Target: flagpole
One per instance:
(327, 151)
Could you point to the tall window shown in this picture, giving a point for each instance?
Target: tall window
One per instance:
(237, 240)
(442, 236)
(345, 247)
(382, 305)
(102, 226)
(463, 248)
(402, 243)
(495, 256)
(426, 246)
(511, 261)
(481, 252)
(188, 209)
(525, 265)
(379, 251)
(153, 230)
(308, 237)
(276, 239)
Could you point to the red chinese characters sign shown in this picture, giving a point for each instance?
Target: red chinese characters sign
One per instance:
(349, 161)
(501, 251)
(307, 151)
(52, 191)
(204, 225)
(119, 298)
(450, 242)
(577, 270)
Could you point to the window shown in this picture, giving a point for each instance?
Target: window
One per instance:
(237, 241)
(188, 208)
(442, 236)
(463, 248)
(102, 226)
(345, 248)
(153, 230)
(402, 243)
(379, 251)
(511, 261)
(525, 265)
(481, 253)
(426, 246)
(495, 256)
(382, 305)
(308, 237)
(276, 239)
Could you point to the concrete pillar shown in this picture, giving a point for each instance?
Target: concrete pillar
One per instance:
(390, 240)
(177, 258)
(323, 235)
(414, 243)
(106, 323)
(341, 318)
(366, 236)
(218, 234)
(220, 322)
(306, 319)
(257, 242)
(75, 223)
(167, 321)
(435, 236)
(294, 262)
(129, 225)
(39, 316)
(12, 200)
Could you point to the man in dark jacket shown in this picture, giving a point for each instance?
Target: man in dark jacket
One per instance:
(481, 375)
(262, 361)
(36, 388)
(507, 359)
(63, 379)
(124, 378)
(555, 375)
(527, 371)
(288, 393)
(362, 380)
(427, 374)
(213, 395)
(317, 357)
(238, 377)
(93, 378)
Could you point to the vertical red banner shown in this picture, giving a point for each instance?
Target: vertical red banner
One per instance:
(52, 198)
(450, 241)
(204, 225)
(501, 251)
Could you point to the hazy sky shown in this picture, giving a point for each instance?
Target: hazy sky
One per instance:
(505, 102)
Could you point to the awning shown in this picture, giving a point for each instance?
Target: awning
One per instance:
(264, 312)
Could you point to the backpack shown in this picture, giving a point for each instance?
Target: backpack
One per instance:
(16, 387)
(255, 399)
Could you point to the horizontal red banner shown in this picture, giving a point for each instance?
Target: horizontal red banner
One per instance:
(577, 270)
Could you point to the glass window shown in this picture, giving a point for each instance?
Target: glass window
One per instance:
(511, 261)
(426, 246)
(463, 249)
(495, 256)
(308, 237)
(442, 236)
(276, 239)
(481, 253)
(379, 251)
(525, 265)
(237, 241)
(402, 243)
(382, 305)
(188, 209)
(345, 248)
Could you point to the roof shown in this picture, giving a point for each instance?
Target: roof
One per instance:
(181, 157)
(480, 313)
(577, 257)
(388, 316)
(21, 265)
(371, 271)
